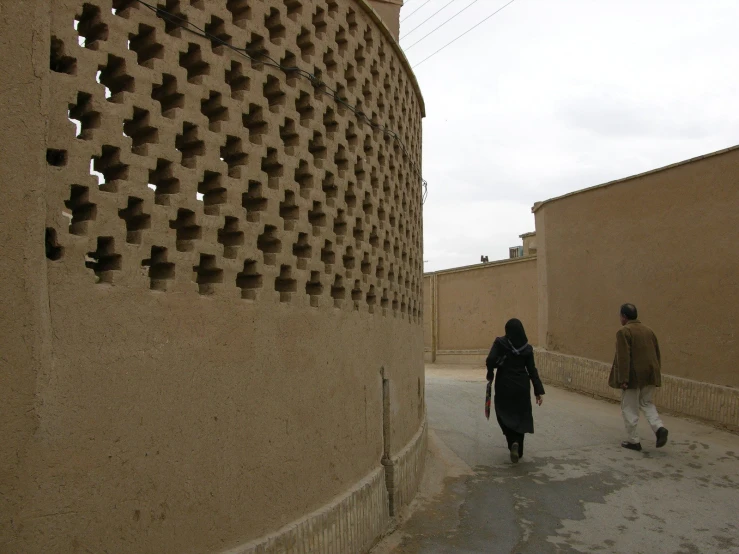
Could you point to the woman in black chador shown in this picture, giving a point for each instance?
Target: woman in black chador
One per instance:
(513, 357)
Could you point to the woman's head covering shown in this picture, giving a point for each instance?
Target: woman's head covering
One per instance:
(515, 333)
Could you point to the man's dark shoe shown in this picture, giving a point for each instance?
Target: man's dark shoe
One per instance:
(661, 437)
(632, 445)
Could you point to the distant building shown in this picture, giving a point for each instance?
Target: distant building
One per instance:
(527, 249)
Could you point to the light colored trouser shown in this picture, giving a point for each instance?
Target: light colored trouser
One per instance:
(631, 401)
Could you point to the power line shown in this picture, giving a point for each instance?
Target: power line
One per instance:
(463, 34)
(414, 11)
(425, 20)
(320, 86)
(440, 26)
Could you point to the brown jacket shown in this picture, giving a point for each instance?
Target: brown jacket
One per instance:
(637, 360)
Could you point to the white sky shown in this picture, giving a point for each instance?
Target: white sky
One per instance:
(551, 96)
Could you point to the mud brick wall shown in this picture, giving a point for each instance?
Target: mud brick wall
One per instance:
(232, 264)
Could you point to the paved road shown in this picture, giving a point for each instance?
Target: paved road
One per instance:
(576, 489)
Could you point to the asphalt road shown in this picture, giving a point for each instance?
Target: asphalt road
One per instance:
(575, 489)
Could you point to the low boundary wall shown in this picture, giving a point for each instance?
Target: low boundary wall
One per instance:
(714, 403)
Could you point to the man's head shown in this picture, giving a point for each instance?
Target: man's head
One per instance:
(628, 313)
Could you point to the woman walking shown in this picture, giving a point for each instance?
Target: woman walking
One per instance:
(513, 357)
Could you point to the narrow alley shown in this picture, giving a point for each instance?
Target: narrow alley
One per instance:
(575, 489)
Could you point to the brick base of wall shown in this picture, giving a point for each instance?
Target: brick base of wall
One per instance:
(713, 403)
(356, 520)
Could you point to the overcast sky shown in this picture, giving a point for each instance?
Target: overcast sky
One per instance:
(548, 97)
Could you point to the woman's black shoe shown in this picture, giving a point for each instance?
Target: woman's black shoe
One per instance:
(514, 453)
(632, 445)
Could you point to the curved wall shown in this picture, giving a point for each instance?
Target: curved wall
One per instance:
(231, 336)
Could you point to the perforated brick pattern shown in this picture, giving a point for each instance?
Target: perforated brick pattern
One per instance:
(177, 164)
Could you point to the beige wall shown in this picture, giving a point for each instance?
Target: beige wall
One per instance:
(389, 12)
(664, 241)
(474, 303)
(193, 378)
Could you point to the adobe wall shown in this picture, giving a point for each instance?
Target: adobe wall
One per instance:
(663, 241)
(473, 304)
(223, 346)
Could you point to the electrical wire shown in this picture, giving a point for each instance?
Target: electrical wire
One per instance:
(440, 26)
(320, 86)
(463, 34)
(425, 20)
(414, 11)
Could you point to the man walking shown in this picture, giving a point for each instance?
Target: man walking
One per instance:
(636, 370)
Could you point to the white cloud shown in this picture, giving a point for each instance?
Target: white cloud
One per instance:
(549, 97)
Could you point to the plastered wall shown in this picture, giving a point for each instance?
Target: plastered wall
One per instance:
(210, 263)
(665, 241)
(473, 304)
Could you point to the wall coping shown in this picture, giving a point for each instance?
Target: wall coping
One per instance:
(461, 269)
(398, 50)
(538, 205)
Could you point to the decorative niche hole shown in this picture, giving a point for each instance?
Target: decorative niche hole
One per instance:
(54, 251)
(340, 225)
(237, 81)
(192, 61)
(342, 41)
(221, 39)
(104, 260)
(253, 201)
(136, 220)
(213, 108)
(317, 217)
(304, 178)
(380, 270)
(213, 191)
(140, 131)
(163, 182)
(83, 211)
(289, 211)
(374, 238)
(317, 147)
(341, 160)
(384, 301)
(306, 45)
(146, 46)
(304, 106)
(231, 237)
(319, 22)
(329, 188)
(294, 7)
(108, 168)
(240, 12)
(59, 61)
(285, 284)
(249, 280)
(115, 78)
(56, 158)
(314, 288)
(160, 269)
(273, 168)
(357, 294)
(273, 23)
(348, 258)
(290, 137)
(338, 291)
(302, 250)
(84, 117)
(358, 232)
(371, 299)
(233, 154)
(366, 266)
(274, 94)
(270, 245)
(189, 145)
(328, 257)
(188, 231)
(254, 121)
(207, 274)
(168, 96)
